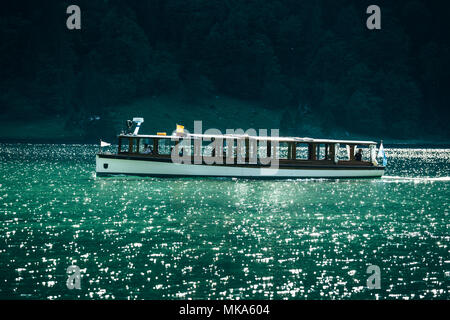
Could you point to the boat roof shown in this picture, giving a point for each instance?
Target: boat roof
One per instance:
(243, 136)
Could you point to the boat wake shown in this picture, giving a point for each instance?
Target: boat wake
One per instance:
(415, 179)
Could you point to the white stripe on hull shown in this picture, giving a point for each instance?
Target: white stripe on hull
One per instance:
(137, 167)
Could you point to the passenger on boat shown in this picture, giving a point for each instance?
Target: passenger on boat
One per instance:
(147, 149)
(358, 155)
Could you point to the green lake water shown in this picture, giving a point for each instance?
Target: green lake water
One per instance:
(151, 238)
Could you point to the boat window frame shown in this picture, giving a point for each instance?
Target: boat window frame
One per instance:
(122, 144)
(150, 142)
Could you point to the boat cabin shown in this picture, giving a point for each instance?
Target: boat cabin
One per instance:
(250, 149)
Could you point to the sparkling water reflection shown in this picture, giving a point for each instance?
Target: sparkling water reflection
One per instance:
(220, 238)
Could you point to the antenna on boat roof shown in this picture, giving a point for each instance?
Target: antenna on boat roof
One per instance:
(138, 122)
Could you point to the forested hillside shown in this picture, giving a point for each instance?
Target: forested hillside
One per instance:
(314, 62)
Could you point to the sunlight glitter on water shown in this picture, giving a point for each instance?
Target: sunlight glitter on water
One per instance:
(220, 238)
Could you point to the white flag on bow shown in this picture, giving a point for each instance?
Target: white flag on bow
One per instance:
(104, 144)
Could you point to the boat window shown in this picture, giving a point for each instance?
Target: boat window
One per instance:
(134, 146)
(342, 153)
(252, 150)
(229, 145)
(262, 149)
(128, 145)
(321, 151)
(146, 146)
(240, 148)
(124, 145)
(214, 148)
(207, 148)
(365, 152)
(186, 146)
(165, 146)
(282, 151)
(302, 151)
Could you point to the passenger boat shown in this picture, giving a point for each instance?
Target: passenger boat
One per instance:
(237, 155)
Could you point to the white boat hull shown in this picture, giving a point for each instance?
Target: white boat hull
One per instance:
(112, 166)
